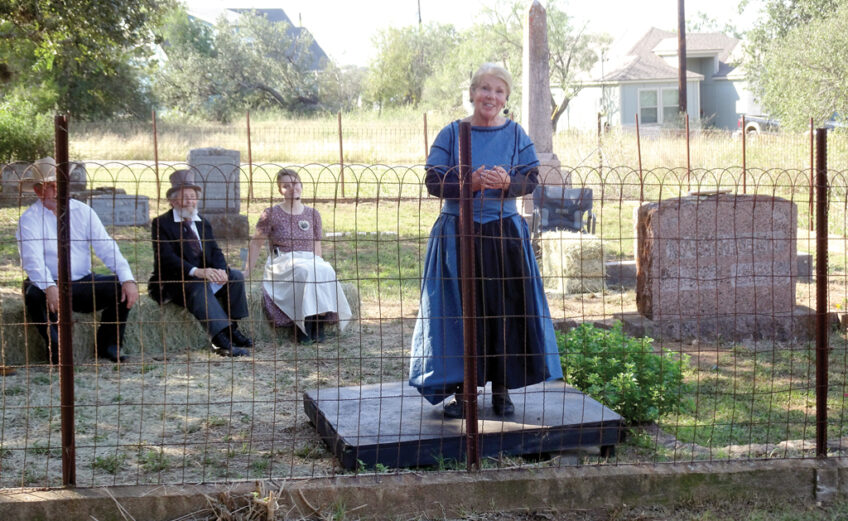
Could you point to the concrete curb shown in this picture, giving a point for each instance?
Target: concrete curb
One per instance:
(431, 494)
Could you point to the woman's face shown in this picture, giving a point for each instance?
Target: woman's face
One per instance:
(489, 97)
(290, 188)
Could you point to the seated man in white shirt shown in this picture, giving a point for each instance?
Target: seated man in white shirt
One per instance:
(37, 243)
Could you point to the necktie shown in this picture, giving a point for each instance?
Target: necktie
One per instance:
(192, 242)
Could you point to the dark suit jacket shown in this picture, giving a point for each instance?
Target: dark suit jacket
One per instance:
(173, 258)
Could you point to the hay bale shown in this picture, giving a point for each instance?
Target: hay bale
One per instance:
(572, 262)
(260, 328)
(20, 342)
(152, 330)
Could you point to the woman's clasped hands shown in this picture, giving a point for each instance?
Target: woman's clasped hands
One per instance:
(489, 178)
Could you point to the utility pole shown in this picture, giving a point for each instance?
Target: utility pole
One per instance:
(681, 58)
(419, 13)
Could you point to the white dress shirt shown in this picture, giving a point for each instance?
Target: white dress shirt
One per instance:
(37, 243)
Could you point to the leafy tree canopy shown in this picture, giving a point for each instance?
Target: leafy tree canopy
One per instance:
(252, 63)
(86, 56)
(406, 57)
(778, 19)
(499, 38)
(805, 75)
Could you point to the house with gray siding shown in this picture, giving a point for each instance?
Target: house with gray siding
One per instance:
(643, 81)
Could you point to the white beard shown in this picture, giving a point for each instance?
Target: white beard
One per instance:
(186, 213)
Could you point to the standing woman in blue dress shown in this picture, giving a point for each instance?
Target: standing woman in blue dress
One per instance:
(516, 346)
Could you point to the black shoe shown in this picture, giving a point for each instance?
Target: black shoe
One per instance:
(454, 408)
(303, 337)
(222, 346)
(502, 405)
(239, 340)
(231, 352)
(111, 353)
(319, 331)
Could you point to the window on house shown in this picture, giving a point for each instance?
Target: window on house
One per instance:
(657, 105)
(648, 106)
(670, 105)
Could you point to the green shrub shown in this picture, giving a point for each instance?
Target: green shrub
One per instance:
(622, 372)
(25, 135)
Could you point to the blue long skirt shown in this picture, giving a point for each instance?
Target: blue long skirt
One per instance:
(516, 345)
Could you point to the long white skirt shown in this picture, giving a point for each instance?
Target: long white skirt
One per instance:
(303, 284)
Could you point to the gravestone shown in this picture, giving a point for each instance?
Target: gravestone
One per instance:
(536, 100)
(218, 172)
(718, 266)
(10, 183)
(116, 208)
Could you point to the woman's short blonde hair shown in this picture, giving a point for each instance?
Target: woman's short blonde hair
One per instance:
(288, 172)
(491, 69)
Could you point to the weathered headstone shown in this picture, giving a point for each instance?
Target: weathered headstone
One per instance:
(10, 183)
(718, 266)
(218, 172)
(116, 208)
(536, 98)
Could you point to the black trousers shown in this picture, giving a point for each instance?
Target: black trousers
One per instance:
(215, 311)
(88, 294)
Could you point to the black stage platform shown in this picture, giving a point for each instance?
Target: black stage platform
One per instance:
(391, 424)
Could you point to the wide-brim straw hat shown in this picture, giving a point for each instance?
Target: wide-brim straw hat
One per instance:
(41, 171)
(182, 179)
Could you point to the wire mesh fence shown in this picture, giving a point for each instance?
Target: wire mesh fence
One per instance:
(724, 298)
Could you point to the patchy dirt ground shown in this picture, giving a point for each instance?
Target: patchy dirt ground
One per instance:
(195, 417)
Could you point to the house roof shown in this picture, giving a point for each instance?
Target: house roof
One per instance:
(319, 58)
(645, 61)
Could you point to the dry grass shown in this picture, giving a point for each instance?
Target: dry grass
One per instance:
(191, 416)
(182, 414)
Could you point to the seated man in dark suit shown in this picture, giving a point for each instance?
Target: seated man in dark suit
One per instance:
(190, 269)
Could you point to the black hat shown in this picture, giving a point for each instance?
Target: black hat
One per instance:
(182, 179)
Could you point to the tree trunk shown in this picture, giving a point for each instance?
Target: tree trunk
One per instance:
(558, 111)
(271, 92)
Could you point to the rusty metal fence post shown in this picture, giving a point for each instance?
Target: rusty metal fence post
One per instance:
(745, 159)
(639, 155)
(156, 155)
(688, 154)
(469, 316)
(66, 348)
(341, 155)
(426, 139)
(249, 163)
(821, 293)
(812, 174)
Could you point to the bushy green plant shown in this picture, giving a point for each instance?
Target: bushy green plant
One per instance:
(25, 135)
(622, 372)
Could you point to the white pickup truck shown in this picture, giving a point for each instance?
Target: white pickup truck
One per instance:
(755, 124)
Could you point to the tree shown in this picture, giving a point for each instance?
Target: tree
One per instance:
(572, 51)
(701, 22)
(341, 87)
(779, 18)
(500, 38)
(86, 56)
(406, 57)
(805, 74)
(253, 63)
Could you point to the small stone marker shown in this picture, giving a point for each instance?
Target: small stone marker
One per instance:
(720, 265)
(10, 183)
(120, 209)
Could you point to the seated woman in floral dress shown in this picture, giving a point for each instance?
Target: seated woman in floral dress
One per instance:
(299, 287)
